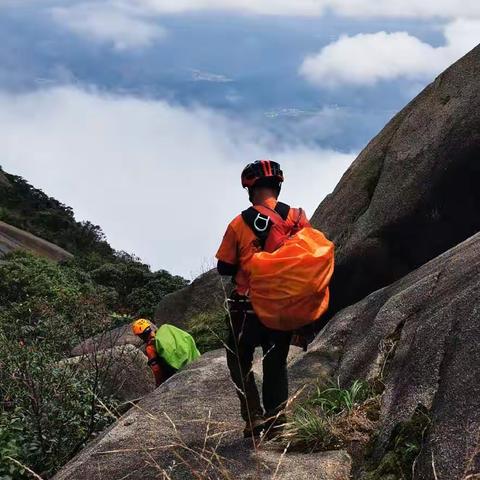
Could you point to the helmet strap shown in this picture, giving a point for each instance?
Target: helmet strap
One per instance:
(145, 335)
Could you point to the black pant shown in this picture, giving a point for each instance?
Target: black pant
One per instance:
(246, 333)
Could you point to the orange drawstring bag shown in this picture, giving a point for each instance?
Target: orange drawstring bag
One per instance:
(289, 287)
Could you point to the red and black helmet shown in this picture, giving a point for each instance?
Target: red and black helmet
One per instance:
(261, 169)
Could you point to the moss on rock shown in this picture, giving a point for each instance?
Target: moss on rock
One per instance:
(402, 449)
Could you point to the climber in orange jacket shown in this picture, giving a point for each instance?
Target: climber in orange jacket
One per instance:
(161, 370)
(263, 179)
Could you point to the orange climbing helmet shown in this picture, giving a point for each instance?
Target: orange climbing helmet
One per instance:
(261, 169)
(141, 326)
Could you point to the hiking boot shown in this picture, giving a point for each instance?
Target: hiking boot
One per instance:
(254, 428)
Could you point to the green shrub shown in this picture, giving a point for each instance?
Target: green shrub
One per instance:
(48, 409)
(122, 277)
(143, 300)
(42, 302)
(11, 446)
(138, 290)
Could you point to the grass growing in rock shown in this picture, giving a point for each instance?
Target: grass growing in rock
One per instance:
(332, 417)
(335, 399)
(209, 329)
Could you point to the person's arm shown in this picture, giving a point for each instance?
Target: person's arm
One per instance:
(154, 364)
(227, 254)
(225, 268)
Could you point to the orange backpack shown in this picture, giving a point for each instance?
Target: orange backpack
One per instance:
(289, 277)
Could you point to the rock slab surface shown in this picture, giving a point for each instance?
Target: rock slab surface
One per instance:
(116, 337)
(13, 238)
(192, 424)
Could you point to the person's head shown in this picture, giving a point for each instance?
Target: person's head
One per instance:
(263, 179)
(143, 328)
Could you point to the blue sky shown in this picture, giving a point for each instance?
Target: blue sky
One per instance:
(125, 109)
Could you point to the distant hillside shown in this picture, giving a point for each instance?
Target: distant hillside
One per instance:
(28, 208)
(3, 179)
(136, 288)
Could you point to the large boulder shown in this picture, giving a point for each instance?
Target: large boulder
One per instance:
(13, 238)
(122, 371)
(116, 337)
(413, 192)
(420, 338)
(205, 294)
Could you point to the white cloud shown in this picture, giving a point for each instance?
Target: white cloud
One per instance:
(260, 7)
(354, 8)
(366, 59)
(129, 24)
(406, 8)
(461, 36)
(162, 181)
(118, 23)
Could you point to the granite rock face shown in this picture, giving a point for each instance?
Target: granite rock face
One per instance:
(412, 193)
(420, 338)
(205, 294)
(191, 424)
(123, 371)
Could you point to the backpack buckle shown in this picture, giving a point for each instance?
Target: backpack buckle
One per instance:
(261, 218)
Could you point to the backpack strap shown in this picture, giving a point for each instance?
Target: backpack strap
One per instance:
(260, 223)
(282, 209)
(297, 221)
